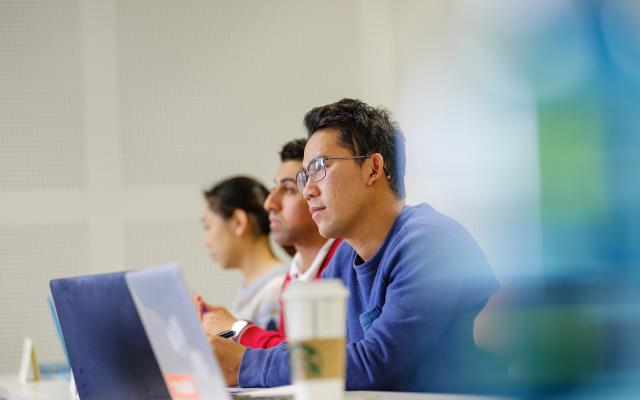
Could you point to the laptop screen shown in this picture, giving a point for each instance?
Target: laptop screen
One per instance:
(108, 349)
(167, 313)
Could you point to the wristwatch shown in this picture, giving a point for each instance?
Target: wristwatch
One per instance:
(238, 327)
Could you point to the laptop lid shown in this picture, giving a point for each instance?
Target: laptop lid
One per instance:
(173, 328)
(106, 343)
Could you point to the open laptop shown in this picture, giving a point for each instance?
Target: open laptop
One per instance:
(106, 343)
(183, 353)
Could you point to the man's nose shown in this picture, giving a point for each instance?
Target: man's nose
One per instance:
(271, 202)
(310, 190)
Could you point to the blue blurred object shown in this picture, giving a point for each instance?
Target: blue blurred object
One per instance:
(54, 370)
(575, 334)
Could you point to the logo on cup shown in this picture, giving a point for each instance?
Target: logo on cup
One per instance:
(318, 358)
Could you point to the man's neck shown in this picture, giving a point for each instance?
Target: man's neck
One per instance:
(309, 250)
(367, 237)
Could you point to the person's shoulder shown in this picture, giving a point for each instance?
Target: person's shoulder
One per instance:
(276, 280)
(344, 250)
(343, 255)
(281, 270)
(273, 281)
(424, 215)
(423, 221)
(425, 232)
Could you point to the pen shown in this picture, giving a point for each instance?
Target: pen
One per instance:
(226, 334)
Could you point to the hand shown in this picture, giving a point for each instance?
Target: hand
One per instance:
(200, 305)
(216, 319)
(229, 355)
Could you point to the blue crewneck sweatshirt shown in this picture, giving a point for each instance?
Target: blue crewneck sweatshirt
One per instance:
(409, 314)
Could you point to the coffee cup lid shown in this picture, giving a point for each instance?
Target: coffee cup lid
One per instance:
(319, 289)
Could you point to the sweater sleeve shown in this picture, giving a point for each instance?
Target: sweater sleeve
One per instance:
(258, 338)
(421, 298)
(265, 367)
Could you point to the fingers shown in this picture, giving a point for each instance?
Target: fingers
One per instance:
(200, 305)
(213, 308)
(212, 323)
(203, 308)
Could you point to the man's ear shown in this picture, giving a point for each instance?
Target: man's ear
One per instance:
(376, 170)
(239, 222)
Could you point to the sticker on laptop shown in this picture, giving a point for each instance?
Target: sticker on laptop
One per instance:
(181, 386)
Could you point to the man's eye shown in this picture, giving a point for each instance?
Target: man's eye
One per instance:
(318, 164)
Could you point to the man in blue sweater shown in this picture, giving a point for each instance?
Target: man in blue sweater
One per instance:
(416, 277)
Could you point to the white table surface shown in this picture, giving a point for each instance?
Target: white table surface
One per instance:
(11, 389)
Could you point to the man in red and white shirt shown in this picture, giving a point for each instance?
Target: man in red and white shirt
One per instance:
(291, 225)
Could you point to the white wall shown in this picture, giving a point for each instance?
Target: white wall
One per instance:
(471, 129)
(115, 115)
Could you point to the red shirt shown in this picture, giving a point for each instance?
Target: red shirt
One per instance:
(258, 338)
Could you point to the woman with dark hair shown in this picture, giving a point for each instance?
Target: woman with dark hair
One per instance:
(237, 236)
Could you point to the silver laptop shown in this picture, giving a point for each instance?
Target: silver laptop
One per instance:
(189, 369)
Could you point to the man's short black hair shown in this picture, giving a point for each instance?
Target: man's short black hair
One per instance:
(293, 150)
(365, 130)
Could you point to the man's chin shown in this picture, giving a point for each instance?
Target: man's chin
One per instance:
(326, 231)
(281, 240)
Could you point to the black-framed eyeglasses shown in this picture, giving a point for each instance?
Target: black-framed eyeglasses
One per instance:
(317, 170)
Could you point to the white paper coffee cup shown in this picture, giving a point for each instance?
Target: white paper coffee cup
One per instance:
(315, 314)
